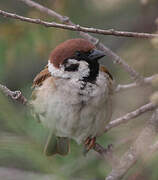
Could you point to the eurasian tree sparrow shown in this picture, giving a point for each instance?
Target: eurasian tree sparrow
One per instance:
(72, 96)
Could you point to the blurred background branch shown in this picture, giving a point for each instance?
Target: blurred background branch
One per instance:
(139, 148)
(127, 117)
(147, 81)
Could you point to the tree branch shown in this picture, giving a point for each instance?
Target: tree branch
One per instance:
(78, 27)
(147, 81)
(115, 58)
(127, 117)
(140, 147)
(14, 95)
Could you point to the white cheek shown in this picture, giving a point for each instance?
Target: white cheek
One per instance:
(83, 70)
(57, 72)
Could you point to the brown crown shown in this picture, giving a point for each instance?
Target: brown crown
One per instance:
(67, 50)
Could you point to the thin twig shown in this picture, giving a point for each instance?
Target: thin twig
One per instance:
(115, 58)
(65, 19)
(47, 11)
(140, 147)
(15, 95)
(118, 60)
(147, 81)
(78, 27)
(127, 117)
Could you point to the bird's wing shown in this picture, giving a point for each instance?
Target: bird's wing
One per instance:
(110, 78)
(111, 87)
(54, 145)
(35, 100)
(104, 69)
(43, 75)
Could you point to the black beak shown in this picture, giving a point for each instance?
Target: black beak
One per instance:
(96, 54)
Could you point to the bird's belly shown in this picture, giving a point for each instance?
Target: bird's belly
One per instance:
(76, 121)
(91, 123)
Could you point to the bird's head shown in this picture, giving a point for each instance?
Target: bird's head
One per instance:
(75, 58)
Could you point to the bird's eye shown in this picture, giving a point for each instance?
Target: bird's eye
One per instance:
(71, 67)
(78, 53)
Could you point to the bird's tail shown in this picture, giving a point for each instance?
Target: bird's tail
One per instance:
(56, 145)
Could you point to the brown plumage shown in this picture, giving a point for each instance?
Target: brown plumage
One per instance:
(104, 69)
(60, 53)
(43, 75)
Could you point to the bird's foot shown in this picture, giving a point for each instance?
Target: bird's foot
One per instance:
(89, 144)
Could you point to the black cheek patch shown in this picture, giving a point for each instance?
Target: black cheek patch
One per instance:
(72, 67)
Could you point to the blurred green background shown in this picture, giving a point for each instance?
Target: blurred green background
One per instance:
(24, 51)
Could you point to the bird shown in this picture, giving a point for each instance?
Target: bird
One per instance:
(72, 96)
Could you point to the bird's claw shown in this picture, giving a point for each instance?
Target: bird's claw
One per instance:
(89, 144)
